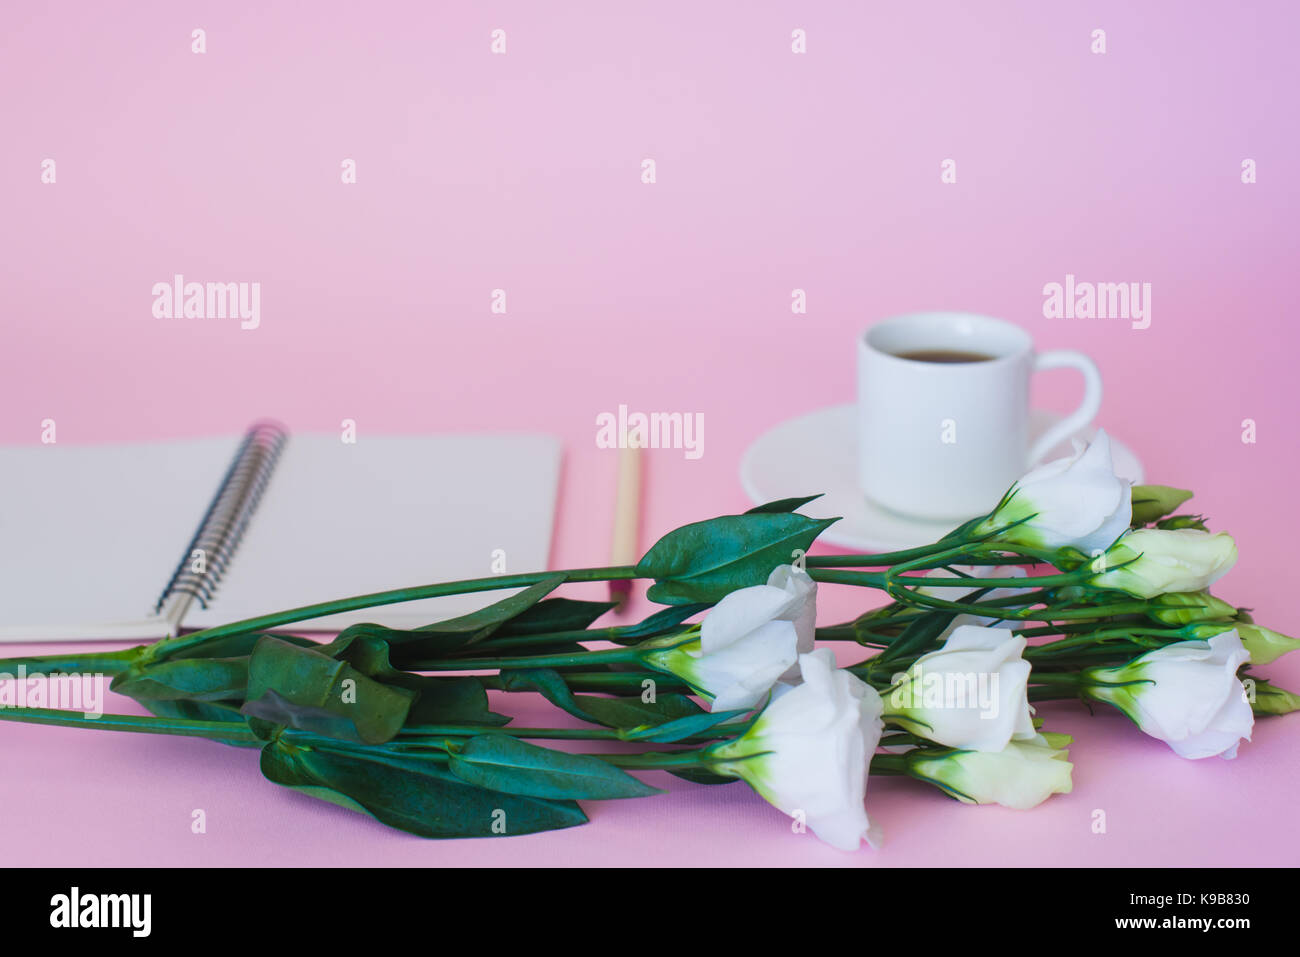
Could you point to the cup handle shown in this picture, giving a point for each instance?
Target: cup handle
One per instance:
(1080, 417)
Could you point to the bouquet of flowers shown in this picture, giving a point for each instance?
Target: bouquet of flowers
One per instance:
(1074, 586)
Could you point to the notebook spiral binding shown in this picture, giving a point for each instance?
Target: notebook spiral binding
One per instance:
(228, 515)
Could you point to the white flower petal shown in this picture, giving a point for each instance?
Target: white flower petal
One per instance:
(750, 640)
(970, 694)
(1076, 502)
(1186, 694)
(814, 745)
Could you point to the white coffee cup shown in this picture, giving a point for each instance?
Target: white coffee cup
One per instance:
(945, 439)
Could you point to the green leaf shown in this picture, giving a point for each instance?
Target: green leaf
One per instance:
(444, 637)
(273, 710)
(417, 795)
(195, 679)
(442, 699)
(503, 763)
(200, 711)
(305, 689)
(554, 614)
(630, 711)
(784, 504)
(661, 622)
(549, 684)
(919, 636)
(681, 728)
(237, 646)
(1151, 502)
(615, 712)
(366, 651)
(454, 700)
(705, 561)
(560, 616)
(215, 671)
(479, 624)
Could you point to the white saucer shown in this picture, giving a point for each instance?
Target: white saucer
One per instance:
(817, 453)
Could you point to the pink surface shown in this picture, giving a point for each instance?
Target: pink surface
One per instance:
(775, 171)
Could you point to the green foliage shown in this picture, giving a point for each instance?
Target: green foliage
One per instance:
(417, 794)
(503, 763)
(920, 636)
(201, 711)
(660, 623)
(704, 561)
(194, 679)
(305, 689)
(680, 728)
(615, 712)
(784, 504)
(441, 700)
(444, 638)
(553, 614)
(236, 646)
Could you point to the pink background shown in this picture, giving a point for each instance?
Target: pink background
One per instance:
(775, 171)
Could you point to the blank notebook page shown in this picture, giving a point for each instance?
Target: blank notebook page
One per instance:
(90, 534)
(388, 512)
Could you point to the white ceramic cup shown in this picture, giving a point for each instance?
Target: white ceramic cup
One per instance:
(945, 440)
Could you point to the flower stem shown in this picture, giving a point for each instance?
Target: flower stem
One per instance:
(607, 681)
(545, 638)
(878, 560)
(605, 657)
(1065, 679)
(888, 764)
(76, 663)
(171, 646)
(883, 580)
(657, 760)
(219, 730)
(555, 734)
(1096, 638)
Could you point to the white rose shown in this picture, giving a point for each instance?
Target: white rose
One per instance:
(748, 641)
(1186, 694)
(810, 749)
(1022, 775)
(1077, 502)
(791, 595)
(970, 694)
(1152, 561)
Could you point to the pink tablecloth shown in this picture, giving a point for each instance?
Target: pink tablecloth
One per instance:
(775, 171)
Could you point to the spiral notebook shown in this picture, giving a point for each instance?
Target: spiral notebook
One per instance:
(138, 541)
